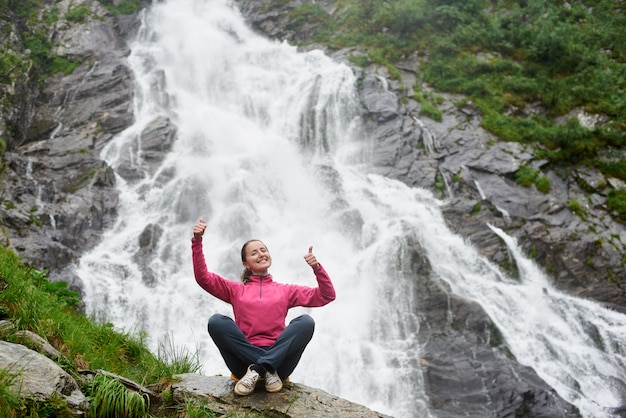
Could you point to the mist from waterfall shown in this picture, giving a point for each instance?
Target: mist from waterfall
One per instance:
(269, 145)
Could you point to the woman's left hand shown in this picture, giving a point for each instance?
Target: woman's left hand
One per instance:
(310, 258)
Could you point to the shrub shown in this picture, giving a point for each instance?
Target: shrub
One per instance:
(427, 108)
(616, 203)
(614, 168)
(526, 177)
(78, 14)
(576, 208)
(61, 64)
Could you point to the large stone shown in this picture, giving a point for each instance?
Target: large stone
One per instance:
(37, 377)
(293, 401)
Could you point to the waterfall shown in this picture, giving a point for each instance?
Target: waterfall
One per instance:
(269, 146)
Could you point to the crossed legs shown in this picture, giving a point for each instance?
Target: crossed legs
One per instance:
(239, 354)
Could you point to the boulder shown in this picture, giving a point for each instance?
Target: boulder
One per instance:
(37, 377)
(293, 401)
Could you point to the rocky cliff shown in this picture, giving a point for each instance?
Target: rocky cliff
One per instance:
(59, 196)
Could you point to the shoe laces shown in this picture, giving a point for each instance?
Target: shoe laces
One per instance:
(271, 378)
(249, 380)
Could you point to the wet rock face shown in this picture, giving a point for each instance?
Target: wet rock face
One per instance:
(58, 194)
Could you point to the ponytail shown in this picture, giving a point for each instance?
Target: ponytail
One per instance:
(245, 275)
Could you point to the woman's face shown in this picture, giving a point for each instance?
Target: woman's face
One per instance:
(258, 259)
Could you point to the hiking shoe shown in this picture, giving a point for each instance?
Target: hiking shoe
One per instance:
(273, 382)
(246, 384)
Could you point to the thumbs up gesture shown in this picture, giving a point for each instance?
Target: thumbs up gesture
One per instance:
(310, 258)
(198, 229)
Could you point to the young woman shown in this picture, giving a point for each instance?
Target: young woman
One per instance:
(258, 344)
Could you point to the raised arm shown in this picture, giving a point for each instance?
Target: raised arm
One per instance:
(321, 295)
(211, 282)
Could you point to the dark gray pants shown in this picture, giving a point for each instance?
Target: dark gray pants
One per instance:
(238, 353)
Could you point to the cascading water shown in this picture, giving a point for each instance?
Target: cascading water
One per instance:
(269, 146)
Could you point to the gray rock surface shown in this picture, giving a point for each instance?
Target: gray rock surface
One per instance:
(37, 377)
(293, 401)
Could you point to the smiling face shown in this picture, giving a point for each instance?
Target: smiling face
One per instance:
(256, 257)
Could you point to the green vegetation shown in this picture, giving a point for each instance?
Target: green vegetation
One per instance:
(577, 208)
(477, 207)
(124, 7)
(9, 401)
(110, 399)
(526, 177)
(616, 202)
(31, 302)
(78, 14)
(523, 63)
(29, 58)
(428, 106)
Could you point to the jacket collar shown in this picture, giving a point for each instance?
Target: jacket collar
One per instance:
(257, 278)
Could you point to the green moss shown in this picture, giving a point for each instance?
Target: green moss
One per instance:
(428, 107)
(359, 60)
(124, 7)
(78, 14)
(526, 176)
(576, 208)
(63, 65)
(616, 202)
(477, 207)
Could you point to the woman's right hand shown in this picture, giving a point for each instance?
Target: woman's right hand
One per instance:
(198, 229)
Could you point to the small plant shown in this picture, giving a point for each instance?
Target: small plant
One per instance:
(111, 399)
(526, 177)
(359, 60)
(56, 407)
(427, 107)
(179, 360)
(78, 14)
(62, 292)
(616, 202)
(35, 220)
(63, 65)
(577, 208)
(477, 207)
(194, 410)
(10, 402)
(439, 184)
(124, 7)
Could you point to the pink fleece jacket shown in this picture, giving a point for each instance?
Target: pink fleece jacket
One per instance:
(260, 306)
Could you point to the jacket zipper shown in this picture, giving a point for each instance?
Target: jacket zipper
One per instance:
(260, 287)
